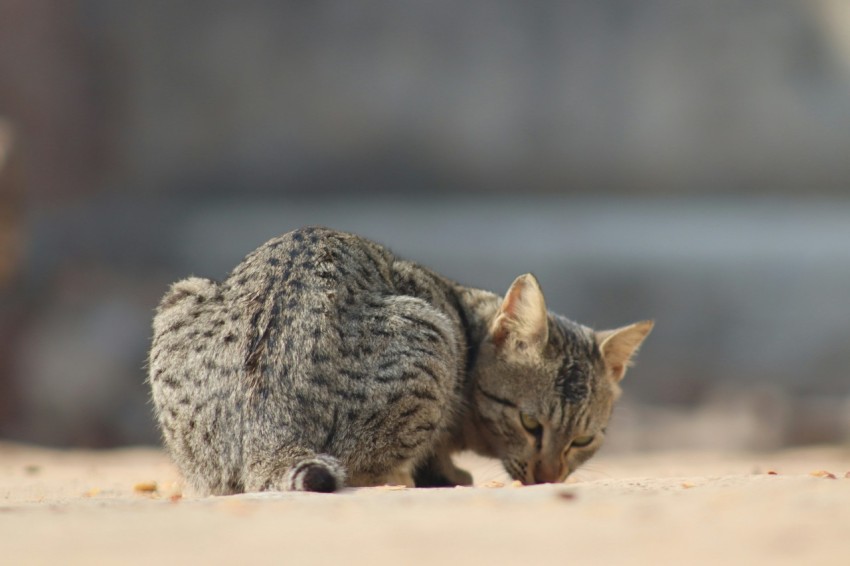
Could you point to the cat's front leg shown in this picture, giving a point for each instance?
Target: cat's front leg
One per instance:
(440, 471)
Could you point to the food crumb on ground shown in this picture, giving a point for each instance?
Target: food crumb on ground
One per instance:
(145, 487)
(822, 474)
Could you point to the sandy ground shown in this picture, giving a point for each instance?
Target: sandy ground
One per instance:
(77, 507)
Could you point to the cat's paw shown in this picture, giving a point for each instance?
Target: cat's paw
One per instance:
(441, 473)
(401, 477)
(461, 477)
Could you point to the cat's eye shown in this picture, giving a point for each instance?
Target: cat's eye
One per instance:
(530, 423)
(582, 441)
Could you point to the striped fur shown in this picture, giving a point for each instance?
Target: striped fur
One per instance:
(325, 361)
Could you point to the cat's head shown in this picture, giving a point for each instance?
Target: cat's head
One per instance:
(545, 386)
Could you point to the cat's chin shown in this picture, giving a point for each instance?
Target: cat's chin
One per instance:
(516, 475)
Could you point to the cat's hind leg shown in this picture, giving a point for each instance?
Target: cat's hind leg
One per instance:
(412, 369)
(403, 475)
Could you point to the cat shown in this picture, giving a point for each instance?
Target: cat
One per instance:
(325, 361)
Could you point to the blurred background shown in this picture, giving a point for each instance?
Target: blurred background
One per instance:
(682, 160)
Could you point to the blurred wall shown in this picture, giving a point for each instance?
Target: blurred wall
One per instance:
(676, 159)
(661, 97)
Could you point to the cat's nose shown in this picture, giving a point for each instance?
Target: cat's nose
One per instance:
(547, 473)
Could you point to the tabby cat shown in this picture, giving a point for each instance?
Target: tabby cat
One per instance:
(325, 361)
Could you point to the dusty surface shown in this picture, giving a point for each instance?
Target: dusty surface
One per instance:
(128, 507)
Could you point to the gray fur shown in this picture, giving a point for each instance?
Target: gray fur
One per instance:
(324, 361)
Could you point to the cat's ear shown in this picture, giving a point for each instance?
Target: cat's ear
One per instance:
(619, 346)
(522, 319)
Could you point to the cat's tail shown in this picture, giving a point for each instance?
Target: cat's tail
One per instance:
(274, 462)
(321, 473)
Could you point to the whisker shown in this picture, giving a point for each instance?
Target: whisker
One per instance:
(487, 470)
(589, 473)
